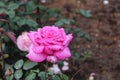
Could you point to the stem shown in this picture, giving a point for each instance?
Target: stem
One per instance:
(46, 67)
(3, 20)
(3, 62)
(75, 74)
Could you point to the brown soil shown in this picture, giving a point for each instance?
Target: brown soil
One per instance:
(104, 29)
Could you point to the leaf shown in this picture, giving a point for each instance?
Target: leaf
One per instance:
(30, 6)
(28, 65)
(6, 0)
(85, 13)
(2, 10)
(43, 75)
(36, 71)
(6, 39)
(42, 7)
(55, 77)
(13, 24)
(80, 34)
(18, 64)
(31, 76)
(31, 22)
(2, 4)
(51, 72)
(18, 74)
(11, 13)
(59, 23)
(60, 64)
(63, 76)
(13, 6)
(87, 37)
(64, 21)
(21, 21)
(16, 19)
(10, 77)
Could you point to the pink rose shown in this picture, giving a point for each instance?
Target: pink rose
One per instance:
(24, 42)
(49, 43)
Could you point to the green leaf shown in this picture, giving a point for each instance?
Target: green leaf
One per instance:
(43, 75)
(18, 74)
(88, 38)
(15, 27)
(35, 71)
(13, 6)
(2, 10)
(21, 21)
(15, 19)
(31, 76)
(18, 64)
(6, 39)
(10, 77)
(59, 23)
(42, 7)
(64, 21)
(63, 76)
(60, 63)
(85, 13)
(11, 13)
(31, 22)
(6, 0)
(2, 4)
(51, 72)
(55, 77)
(76, 30)
(28, 65)
(30, 6)
(80, 34)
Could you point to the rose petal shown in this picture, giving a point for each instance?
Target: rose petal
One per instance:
(68, 39)
(48, 51)
(38, 49)
(63, 54)
(36, 57)
(34, 37)
(63, 32)
(56, 47)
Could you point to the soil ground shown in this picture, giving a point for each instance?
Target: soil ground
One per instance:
(104, 29)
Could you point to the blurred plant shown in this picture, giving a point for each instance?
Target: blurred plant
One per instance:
(85, 13)
(28, 71)
(81, 56)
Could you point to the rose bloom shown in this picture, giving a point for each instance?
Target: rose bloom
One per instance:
(49, 43)
(24, 42)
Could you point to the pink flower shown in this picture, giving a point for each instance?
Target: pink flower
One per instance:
(49, 43)
(23, 42)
